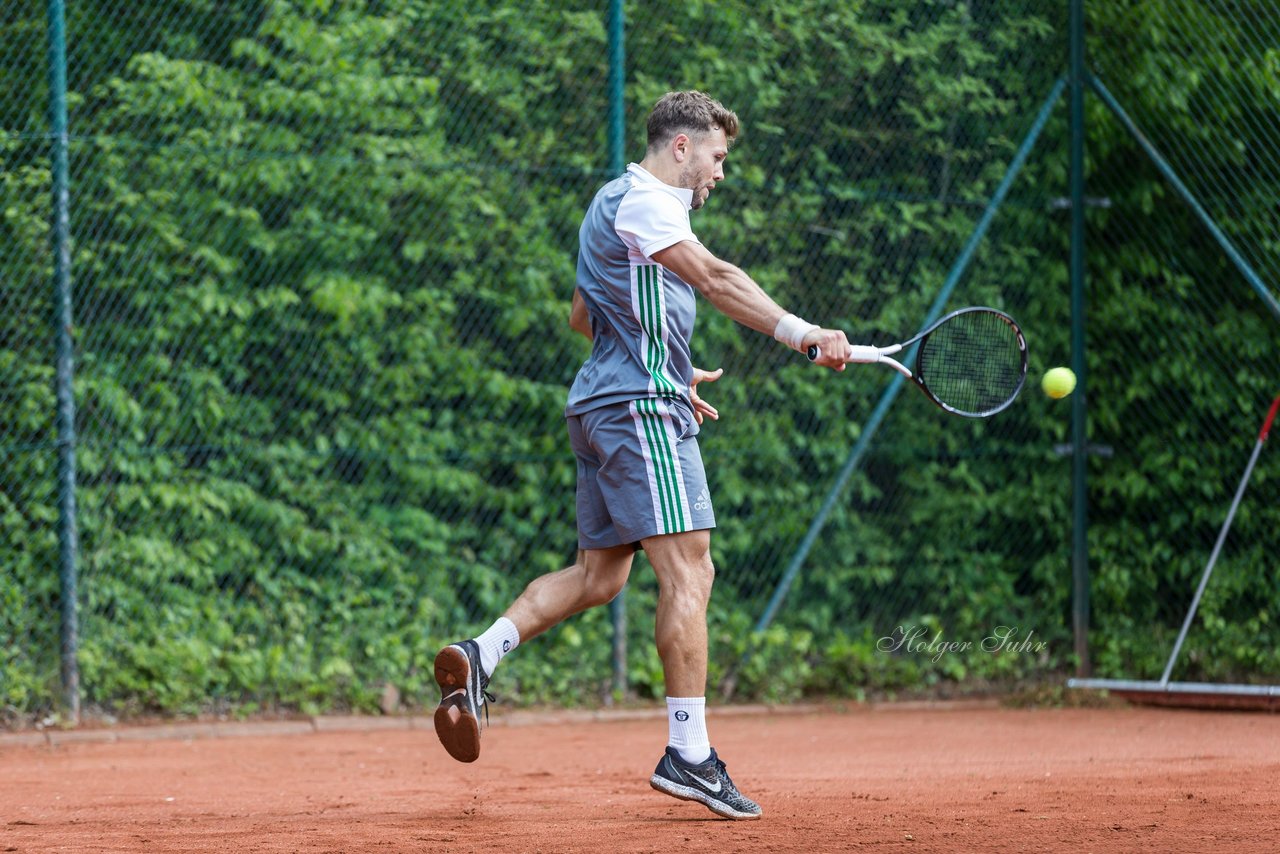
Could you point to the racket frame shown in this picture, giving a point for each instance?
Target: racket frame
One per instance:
(867, 354)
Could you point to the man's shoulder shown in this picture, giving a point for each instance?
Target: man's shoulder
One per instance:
(649, 202)
(654, 193)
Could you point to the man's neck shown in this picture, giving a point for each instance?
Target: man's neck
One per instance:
(664, 170)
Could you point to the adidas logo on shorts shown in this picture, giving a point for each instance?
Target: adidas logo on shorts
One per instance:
(704, 500)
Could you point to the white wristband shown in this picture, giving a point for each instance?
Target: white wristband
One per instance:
(791, 331)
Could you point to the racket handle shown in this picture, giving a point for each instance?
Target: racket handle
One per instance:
(860, 353)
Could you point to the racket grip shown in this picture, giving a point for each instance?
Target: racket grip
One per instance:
(859, 353)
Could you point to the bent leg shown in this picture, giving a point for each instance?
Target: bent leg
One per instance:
(594, 579)
(460, 671)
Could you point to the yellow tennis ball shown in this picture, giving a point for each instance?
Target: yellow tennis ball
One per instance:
(1058, 382)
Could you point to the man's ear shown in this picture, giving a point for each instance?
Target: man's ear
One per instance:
(680, 147)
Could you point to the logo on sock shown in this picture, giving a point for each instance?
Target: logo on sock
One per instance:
(682, 716)
(506, 647)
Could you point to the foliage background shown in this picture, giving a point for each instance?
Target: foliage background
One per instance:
(323, 253)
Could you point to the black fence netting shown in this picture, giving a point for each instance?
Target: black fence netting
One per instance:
(322, 257)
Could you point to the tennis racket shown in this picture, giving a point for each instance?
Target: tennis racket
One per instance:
(973, 362)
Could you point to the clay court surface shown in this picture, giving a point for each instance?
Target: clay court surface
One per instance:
(884, 778)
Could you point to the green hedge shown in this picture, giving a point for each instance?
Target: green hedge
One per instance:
(323, 257)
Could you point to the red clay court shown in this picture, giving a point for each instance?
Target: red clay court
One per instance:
(880, 778)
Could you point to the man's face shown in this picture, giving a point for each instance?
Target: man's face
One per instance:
(704, 164)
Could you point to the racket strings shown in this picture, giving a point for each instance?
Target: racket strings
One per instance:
(974, 363)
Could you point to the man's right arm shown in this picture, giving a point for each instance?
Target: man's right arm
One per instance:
(737, 295)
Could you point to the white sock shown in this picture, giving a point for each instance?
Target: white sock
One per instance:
(497, 641)
(686, 720)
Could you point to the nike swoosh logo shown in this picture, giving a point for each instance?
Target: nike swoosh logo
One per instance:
(713, 789)
(704, 784)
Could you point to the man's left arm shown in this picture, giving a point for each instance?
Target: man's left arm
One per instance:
(579, 320)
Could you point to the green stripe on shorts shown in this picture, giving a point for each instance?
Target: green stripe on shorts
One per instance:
(662, 455)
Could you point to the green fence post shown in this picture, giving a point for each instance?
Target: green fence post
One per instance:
(1079, 425)
(68, 544)
(617, 156)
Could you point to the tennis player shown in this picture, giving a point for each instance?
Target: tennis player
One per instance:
(633, 416)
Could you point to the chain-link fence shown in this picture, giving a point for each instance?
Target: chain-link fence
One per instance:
(1184, 335)
(322, 254)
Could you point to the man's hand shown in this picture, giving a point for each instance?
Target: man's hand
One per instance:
(701, 408)
(833, 347)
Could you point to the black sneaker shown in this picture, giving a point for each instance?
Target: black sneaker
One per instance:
(707, 782)
(462, 684)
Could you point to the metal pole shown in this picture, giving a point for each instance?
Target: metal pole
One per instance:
(1266, 694)
(895, 386)
(68, 538)
(617, 161)
(1222, 538)
(1079, 426)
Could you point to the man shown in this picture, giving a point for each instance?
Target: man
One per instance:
(633, 414)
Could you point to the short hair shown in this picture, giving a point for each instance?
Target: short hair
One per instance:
(686, 112)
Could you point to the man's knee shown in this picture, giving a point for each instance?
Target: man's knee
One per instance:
(606, 573)
(603, 587)
(682, 563)
(692, 580)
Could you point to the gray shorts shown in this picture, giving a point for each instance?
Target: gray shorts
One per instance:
(639, 473)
